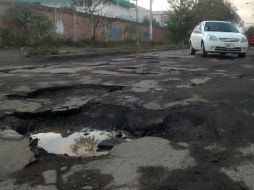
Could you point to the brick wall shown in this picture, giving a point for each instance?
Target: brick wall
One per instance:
(108, 29)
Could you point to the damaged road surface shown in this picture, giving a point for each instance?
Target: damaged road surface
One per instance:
(154, 121)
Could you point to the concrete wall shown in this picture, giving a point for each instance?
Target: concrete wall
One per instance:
(109, 29)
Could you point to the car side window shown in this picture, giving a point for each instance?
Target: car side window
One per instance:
(198, 28)
(194, 30)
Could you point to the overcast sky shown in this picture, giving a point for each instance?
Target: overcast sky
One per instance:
(246, 11)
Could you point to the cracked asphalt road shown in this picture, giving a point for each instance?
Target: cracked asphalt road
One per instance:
(191, 120)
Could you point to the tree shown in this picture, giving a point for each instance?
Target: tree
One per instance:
(250, 31)
(216, 10)
(181, 18)
(185, 14)
(7, 38)
(30, 26)
(130, 31)
(93, 8)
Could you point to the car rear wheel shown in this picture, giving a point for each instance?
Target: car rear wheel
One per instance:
(192, 50)
(204, 52)
(242, 55)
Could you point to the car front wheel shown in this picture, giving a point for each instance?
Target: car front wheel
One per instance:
(241, 55)
(204, 52)
(192, 50)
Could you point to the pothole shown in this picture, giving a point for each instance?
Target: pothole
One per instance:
(85, 142)
(55, 99)
(55, 92)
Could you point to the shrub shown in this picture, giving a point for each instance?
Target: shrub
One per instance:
(7, 38)
(250, 31)
(29, 24)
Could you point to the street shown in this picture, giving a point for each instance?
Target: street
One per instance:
(181, 122)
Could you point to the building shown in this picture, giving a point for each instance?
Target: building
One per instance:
(123, 9)
(114, 8)
(161, 17)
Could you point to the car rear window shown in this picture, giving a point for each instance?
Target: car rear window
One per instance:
(220, 27)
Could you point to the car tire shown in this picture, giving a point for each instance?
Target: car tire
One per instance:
(222, 54)
(192, 50)
(204, 52)
(241, 55)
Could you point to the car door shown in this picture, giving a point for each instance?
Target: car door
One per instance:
(199, 36)
(195, 37)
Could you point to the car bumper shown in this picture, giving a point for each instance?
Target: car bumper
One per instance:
(226, 47)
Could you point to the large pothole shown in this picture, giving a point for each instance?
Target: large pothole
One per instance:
(77, 142)
(59, 100)
(205, 124)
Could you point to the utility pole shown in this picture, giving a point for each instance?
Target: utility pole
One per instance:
(252, 9)
(137, 11)
(137, 19)
(55, 16)
(151, 20)
(73, 7)
(74, 26)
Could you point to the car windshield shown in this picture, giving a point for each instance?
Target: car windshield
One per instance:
(220, 27)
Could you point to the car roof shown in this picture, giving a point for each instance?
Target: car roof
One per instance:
(215, 21)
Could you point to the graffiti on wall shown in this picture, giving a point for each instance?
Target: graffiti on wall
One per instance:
(114, 32)
(59, 27)
(145, 36)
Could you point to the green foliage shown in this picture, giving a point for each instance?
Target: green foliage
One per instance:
(216, 10)
(92, 8)
(31, 29)
(250, 31)
(41, 46)
(185, 14)
(40, 51)
(7, 38)
(30, 26)
(146, 21)
(181, 19)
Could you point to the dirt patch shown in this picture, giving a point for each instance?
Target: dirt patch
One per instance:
(33, 174)
(206, 124)
(195, 178)
(189, 126)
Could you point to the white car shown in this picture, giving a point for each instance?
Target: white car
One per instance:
(218, 37)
